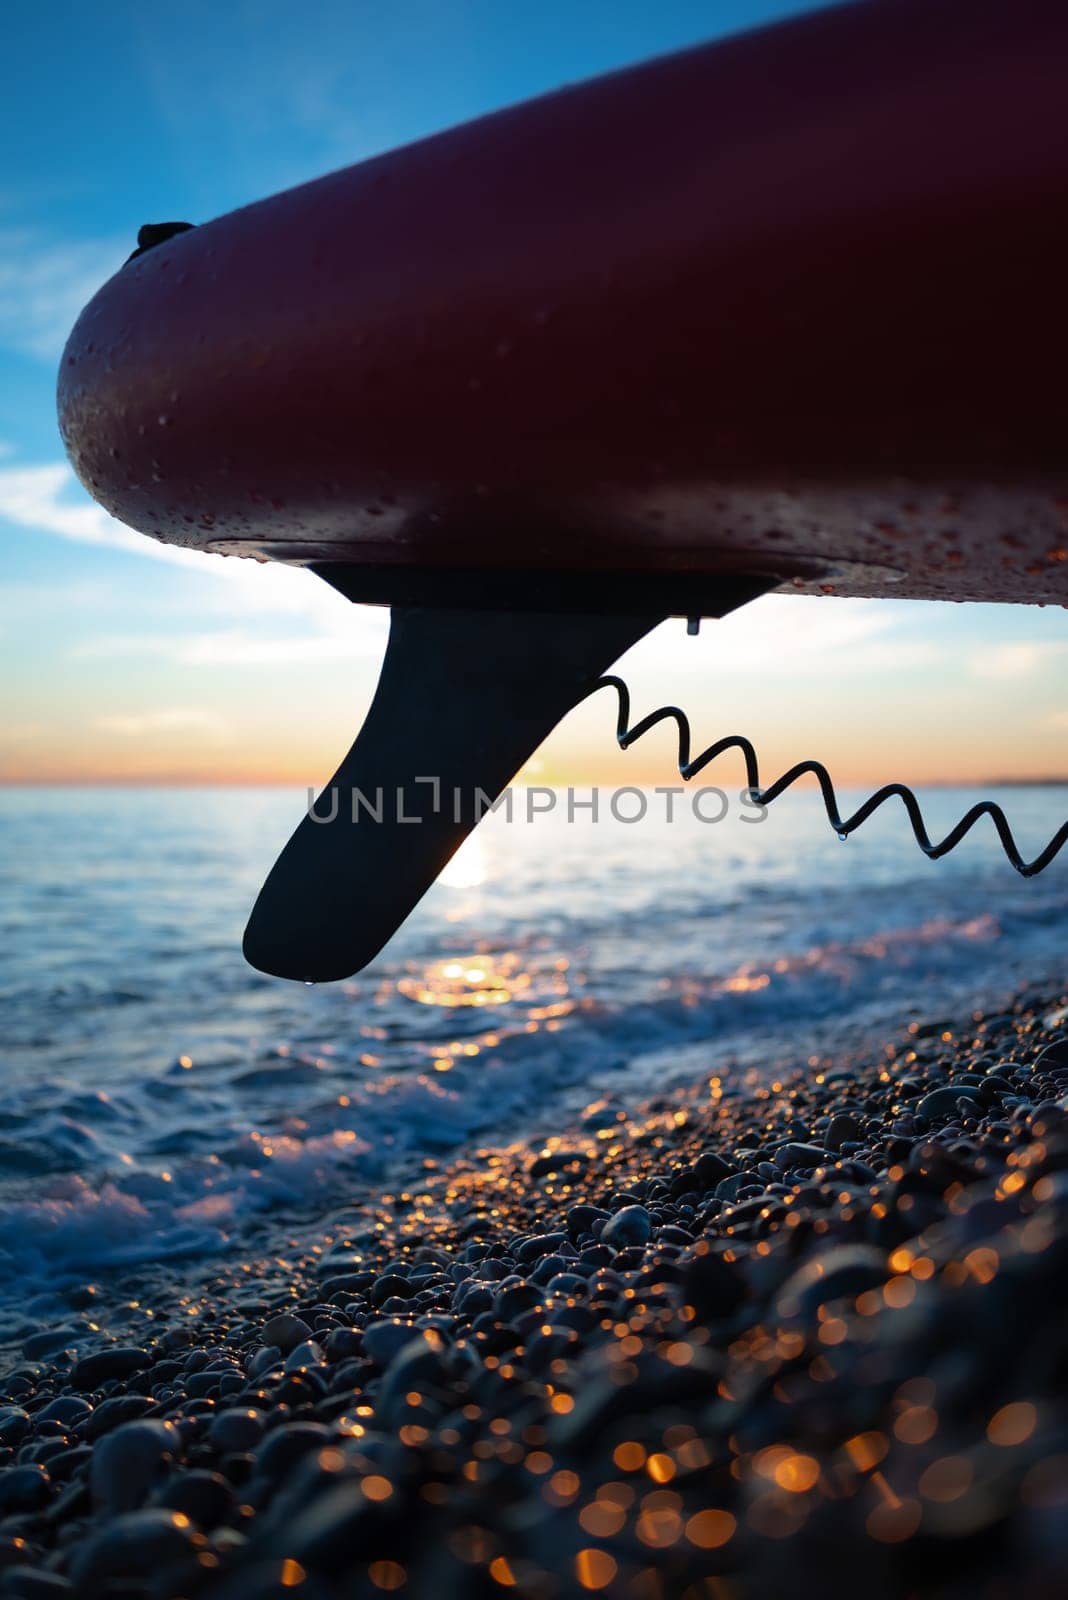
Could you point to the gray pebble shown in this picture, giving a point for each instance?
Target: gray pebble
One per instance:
(419, 1364)
(65, 1408)
(803, 1156)
(286, 1331)
(141, 1544)
(389, 1285)
(946, 1102)
(236, 1431)
(729, 1188)
(284, 1446)
(1054, 1055)
(112, 1413)
(709, 1169)
(383, 1341)
(14, 1424)
(105, 1365)
(342, 1343)
(204, 1497)
(25, 1488)
(581, 1218)
(48, 1342)
(844, 1129)
(631, 1226)
(128, 1462)
(542, 1244)
(308, 1354)
(266, 1357)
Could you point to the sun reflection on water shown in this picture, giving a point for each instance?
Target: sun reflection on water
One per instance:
(467, 869)
(479, 980)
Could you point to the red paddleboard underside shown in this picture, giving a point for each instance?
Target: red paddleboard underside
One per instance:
(792, 305)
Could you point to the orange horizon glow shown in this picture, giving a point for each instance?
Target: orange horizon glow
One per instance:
(549, 769)
(879, 692)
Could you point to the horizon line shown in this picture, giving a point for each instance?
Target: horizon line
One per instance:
(1049, 781)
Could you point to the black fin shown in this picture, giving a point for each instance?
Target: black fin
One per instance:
(464, 698)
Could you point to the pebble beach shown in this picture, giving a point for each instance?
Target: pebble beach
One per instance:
(747, 1338)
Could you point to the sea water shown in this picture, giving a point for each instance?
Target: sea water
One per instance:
(158, 1097)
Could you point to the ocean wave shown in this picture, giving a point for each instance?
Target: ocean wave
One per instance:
(165, 1126)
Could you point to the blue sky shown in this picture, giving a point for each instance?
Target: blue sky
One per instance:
(121, 660)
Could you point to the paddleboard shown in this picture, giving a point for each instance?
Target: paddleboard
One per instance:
(786, 311)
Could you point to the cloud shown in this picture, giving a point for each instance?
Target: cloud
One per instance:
(1019, 660)
(793, 635)
(176, 719)
(47, 499)
(241, 647)
(35, 497)
(44, 284)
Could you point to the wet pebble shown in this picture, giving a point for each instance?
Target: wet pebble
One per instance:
(285, 1332)
(15, 1424)
(65, 1408)
(581, 1219)
(308, 1354)
(947, 1102)
(236, 1430)
(384, 1340)
(206, 1498)
(25, 1488)
(114, 1411)
(844, 1129)
(140, 1544)
(285, 1446)
(266, 1357)
(49, 1341)
(632, 1225)
(128, 1462)
(104, 1366)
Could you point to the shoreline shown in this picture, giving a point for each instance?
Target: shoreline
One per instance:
(753, 1339)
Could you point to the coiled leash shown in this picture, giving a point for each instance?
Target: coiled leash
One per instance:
(689, 766)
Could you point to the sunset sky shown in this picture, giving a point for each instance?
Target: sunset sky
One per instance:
(125, 661)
